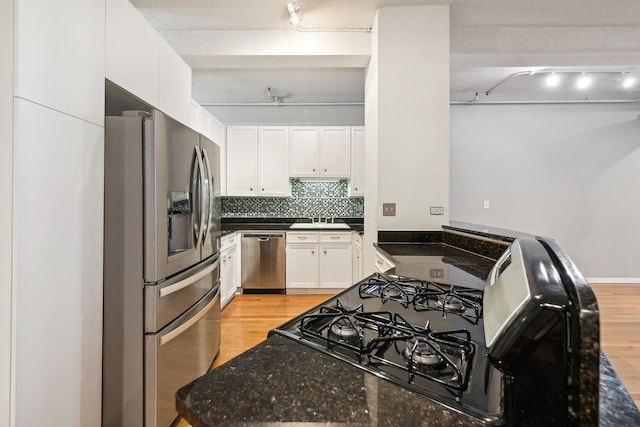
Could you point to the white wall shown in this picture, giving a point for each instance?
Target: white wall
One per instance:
(570, 172)
(292, 115)
(407, 121)
(413, 116)
(6, 207)
(371, 155)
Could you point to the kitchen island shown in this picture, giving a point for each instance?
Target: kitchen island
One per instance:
(281, 381)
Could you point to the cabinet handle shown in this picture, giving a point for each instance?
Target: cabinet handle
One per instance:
(262, 189)
(335, 237)
(302, 237)
(325, 170)
(313, 252)
(251, 189)
(314, 169)
(356, 188)
(325, 252)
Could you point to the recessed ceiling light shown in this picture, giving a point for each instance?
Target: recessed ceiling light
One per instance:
(552, 80)
(583, 82)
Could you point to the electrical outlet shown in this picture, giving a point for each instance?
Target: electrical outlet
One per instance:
(436, 273)
(486, 204)
(388, 209)
(436, 210)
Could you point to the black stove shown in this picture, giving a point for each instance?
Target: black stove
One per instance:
(425, 336)
(498, 353)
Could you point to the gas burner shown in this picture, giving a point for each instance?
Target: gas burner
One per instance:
(463, 302)
(422, 354)
(450, 303)
(389, 287)
(391, 293)
(345, 329)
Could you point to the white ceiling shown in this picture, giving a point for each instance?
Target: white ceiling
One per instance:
(239, 48)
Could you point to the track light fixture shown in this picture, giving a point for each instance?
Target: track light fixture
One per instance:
(295, 14)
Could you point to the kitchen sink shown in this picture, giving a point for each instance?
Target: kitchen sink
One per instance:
(320, 226)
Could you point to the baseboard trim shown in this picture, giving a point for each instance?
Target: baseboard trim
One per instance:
(613, 280)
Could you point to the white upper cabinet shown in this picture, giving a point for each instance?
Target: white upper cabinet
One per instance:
(356, 186)
(335, 152)
(257, 161)
(143, 63)
(132, 55)
(60, 56)
(319, 151)
(273, 179)
(174, 82)
(242, 160)
(304, 151)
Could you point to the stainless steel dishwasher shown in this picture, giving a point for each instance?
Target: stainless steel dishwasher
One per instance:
(263, 263)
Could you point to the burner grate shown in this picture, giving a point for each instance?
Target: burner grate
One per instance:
(381, 338)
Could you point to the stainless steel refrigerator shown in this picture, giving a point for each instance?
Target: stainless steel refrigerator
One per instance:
(161, 278)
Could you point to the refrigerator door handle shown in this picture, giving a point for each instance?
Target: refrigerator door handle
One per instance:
(210, 179)
(200, 167)
(168, 290)
(186, 325)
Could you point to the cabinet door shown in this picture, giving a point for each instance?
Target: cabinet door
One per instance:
(242, 160)
(60, 56)
(303, 151)
(302, 266)
(335, 265)
(335, 152)
(357, 161)
(227, 276)
(273, 179)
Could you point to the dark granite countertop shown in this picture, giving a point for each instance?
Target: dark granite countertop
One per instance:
(439, 262)
(280, 381)
(233, 224)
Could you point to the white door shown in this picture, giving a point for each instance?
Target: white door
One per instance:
(335, 265)
(335, 152)
(242, 160)
(303, 151)
(273, 178)
(302, 266)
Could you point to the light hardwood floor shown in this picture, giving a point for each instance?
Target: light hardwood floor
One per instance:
(248, 318)
(619, 306)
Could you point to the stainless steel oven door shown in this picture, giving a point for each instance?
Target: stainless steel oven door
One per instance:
(173, 212)
(178, 354)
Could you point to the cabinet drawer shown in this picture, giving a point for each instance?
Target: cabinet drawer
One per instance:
(335, 237)
(302, 237)
(228, 241)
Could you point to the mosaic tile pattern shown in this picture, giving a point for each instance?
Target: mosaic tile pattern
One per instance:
(309, 199)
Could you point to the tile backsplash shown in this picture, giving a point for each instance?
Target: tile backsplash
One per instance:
(328, 199)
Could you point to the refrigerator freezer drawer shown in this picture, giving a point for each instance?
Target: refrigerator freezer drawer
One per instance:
(169, 299)
(178, 354)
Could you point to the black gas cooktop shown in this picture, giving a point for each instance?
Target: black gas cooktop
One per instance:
(426, 336)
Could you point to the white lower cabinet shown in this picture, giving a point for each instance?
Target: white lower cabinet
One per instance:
(319, 260)
(228, 269)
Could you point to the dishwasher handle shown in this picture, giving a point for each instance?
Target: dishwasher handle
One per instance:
(263, 237)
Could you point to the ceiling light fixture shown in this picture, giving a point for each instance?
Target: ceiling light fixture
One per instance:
(295, 14)
(628, 82)
(552, 80)
(583, 82)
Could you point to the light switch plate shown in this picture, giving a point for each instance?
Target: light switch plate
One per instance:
(388, 209)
